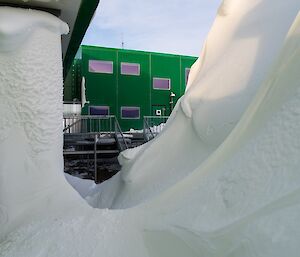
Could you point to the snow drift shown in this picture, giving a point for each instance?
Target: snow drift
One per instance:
(238, 54)
(236, 193)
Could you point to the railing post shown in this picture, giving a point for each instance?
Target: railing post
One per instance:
(109, 126)
(95, 158)
(119, 130)
(144, 129)
(100, 124)
(90, 125)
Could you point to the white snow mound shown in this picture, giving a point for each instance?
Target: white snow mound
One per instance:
(238, 54)
(233, 191)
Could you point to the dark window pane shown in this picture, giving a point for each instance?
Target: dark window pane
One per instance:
(130, 112)
(187, 73)
(99, 110)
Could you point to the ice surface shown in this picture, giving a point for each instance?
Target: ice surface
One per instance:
(236, 196)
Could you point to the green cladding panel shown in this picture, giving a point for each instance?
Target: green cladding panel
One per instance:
(186, 63)
(72, 82)
(165, 67)
(133, 90)
(101, 88)
(68, 87)
(118, 90)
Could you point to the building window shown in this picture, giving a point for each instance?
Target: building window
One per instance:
(99, 110)
(187, 73)
(101, 66)
(130, 112)
(130, 68)
(161, 84)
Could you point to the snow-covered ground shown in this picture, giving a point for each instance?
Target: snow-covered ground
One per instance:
(222, 179)
(84, 187)
(154, 129)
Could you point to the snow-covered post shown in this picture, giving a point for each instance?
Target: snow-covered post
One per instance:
(31, 83)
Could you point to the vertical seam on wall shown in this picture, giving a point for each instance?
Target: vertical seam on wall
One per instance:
(150, 84)
(117, 85)
(181, 89)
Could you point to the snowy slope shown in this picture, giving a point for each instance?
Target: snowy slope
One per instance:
(243, 200)
(240, 49)
(232, 205)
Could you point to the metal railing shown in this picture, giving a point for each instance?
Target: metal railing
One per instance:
(88, 124)
(120, 138)
(153, 125)
(96, 127)
(94, 124)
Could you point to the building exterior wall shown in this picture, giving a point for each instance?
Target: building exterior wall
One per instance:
(72, 82)
(118, 90)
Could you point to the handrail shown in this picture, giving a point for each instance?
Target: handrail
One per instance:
(148, 127)
(92, 125)
(156, 117)
(88, 124)
(88, 116)
(117, 127)
(71, 125)
(96, 127)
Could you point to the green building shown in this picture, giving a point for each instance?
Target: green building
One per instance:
(128, 84)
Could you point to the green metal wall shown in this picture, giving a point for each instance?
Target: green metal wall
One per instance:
(133, 90)
(101, 89)
(165, 66)
(117, 90)
(72, 82)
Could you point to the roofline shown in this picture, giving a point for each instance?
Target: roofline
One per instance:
(137, 51)
(83, 19)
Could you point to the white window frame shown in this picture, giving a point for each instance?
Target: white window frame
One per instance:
(103, 61)
(107, 106)
(130, 64)
(128, 118)
(161, 79)
(187, 77)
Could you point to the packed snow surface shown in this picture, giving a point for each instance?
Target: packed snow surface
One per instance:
(221, 180)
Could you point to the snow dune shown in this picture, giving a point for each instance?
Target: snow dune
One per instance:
(228, 185)
(238, 54)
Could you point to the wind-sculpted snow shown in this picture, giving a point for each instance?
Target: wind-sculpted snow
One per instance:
(27, 76)
(30, 111)
(240, 199)
(238, 54)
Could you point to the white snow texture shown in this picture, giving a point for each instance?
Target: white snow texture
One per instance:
(221, 180)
